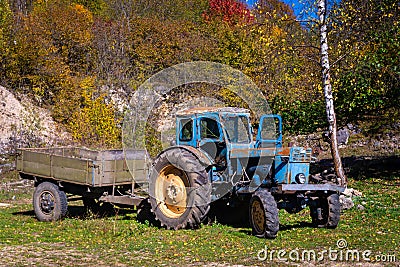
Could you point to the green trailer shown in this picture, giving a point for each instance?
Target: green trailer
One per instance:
(96, 177)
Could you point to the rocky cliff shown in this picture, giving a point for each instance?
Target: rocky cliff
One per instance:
(23, 124)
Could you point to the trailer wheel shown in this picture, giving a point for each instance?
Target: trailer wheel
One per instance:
(326, 212)
(180, 192)
(264, 218)
(49, 202)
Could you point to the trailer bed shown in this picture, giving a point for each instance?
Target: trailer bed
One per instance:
(95, 168)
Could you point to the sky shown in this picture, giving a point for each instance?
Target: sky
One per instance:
(295, 4)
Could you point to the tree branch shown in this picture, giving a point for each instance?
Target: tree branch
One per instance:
(340, 58)
(306, 46)
(312, 60)
(311, 20)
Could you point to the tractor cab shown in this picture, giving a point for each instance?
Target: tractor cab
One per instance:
(239, 156)
(225, 136)
(214, 131)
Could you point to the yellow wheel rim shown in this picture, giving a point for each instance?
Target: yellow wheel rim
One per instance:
(170, 193)
(258, 216)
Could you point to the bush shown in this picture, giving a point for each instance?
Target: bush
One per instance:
(95, 122)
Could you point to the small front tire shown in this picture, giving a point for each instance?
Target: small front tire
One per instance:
(49, 202)
(263, 212)
(326, 212)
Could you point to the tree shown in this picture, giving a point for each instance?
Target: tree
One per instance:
(366, 37)
(6, 17)
(51, 52)
(232, 12)
(326, 80)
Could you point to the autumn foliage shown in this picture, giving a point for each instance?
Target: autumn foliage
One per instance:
(232, 12)
(74, 57)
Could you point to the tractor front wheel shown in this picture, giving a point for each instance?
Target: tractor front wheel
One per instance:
(180, 191)
(264, 218)
(326, 211)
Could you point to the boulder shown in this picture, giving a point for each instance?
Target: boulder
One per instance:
(343, 135)
(345, 202)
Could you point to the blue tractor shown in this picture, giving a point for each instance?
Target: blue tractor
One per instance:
(220, 165)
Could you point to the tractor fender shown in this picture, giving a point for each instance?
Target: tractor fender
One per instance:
(204, 158)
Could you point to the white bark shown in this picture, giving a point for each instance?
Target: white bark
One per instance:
(326, 80)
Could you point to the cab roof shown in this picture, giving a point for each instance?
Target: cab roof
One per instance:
(203, 110)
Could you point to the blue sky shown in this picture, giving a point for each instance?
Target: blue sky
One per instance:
(297, 7)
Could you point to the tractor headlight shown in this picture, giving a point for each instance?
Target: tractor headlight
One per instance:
(300, 178)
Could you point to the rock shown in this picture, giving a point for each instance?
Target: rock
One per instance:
(23, 124)
(360, 207)
(348, 192)
(343, 136)
(377, 144)
(11, 111)
(345, 202)
(357, 193)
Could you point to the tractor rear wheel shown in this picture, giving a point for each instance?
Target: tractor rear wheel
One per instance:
(326, 212)
(180, 192)
(264, 218)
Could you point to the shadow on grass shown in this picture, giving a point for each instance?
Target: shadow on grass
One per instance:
(287, 227)
(241, 224)
(29, 213)
(238, 218)
(364, 167)
(282, 227)
(82, 213)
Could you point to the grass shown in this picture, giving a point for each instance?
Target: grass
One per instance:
(122, 241)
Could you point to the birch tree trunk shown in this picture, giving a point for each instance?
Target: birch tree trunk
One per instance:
(330, 111)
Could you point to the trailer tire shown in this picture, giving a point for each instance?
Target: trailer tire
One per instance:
(263, 213)
(180, 192)
(49, 202)
(329, 213)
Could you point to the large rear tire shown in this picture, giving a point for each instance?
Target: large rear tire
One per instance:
(49, 202)
(326, 212)
(180, 192)
(263, 213)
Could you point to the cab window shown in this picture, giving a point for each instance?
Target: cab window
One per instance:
(186, 133)
(209, 128)
(237, 129)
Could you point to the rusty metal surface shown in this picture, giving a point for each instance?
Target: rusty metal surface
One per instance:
(284, 151)
(201, 110)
